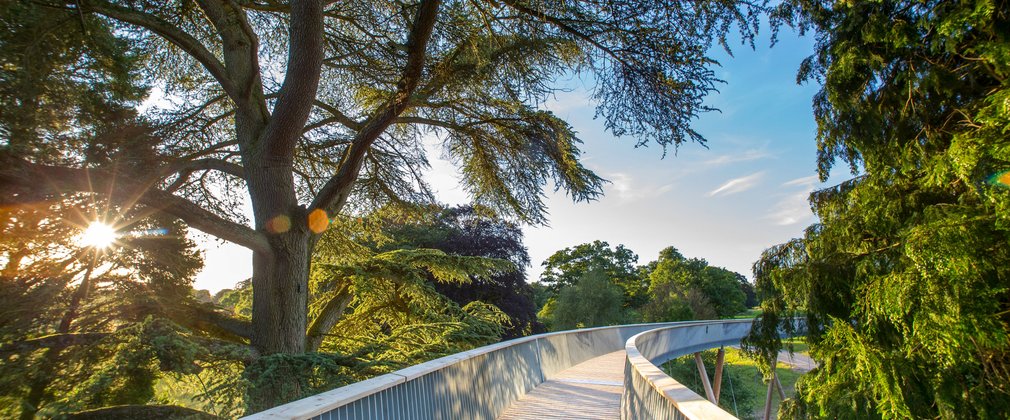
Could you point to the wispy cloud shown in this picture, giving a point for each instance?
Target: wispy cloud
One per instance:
(627, 189)
(807, 181)
(746, 156)
(737, 185)
(794, 207)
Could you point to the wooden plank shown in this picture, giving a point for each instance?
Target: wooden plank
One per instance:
(588, 390)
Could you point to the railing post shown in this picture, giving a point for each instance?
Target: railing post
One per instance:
(778, 386)
(720, 358)
(704, 378)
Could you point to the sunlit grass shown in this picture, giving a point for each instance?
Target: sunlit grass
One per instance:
(742, 379)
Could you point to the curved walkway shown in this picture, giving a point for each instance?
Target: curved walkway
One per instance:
(588, 390)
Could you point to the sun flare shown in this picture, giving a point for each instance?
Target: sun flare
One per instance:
(98, 235)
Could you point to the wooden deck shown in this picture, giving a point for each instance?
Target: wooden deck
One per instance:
(588, 390)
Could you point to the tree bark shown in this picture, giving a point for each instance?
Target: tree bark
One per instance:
(280, 295)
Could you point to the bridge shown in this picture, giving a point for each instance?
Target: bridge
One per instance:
(606, 373)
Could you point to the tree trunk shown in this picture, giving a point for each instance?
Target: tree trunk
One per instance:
(280, 294)
(280, 277)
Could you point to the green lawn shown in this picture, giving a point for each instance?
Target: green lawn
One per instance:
(743, 392)
(750, 313)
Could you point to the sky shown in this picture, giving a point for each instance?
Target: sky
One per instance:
(747, 190)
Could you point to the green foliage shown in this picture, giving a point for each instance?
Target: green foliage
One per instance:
(567, 266)
(465, 231)
(313, 373)
(684, 289)
(593, 301)
(61, 75)
(904, 280)
(395, 309)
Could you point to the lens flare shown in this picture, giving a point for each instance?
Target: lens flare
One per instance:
(279, 224)
(98, 235)
(318, 221)
(1001, 179)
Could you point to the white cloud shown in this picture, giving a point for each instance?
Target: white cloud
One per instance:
(807, 181)
(626, 189)
(737, 185)
(746, 156)
(794, 207)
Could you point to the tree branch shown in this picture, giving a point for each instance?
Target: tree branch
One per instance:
(337, 116)
(335, 192)
(240, 48)
(560, 24)
(169, 32)
(54, 341)
(327, 318)
(294, 102)
(205, 164)
(56, 179)
(200, 316)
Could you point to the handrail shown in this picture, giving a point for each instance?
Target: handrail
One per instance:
(476, 384)
(482, 383)
(649, 393)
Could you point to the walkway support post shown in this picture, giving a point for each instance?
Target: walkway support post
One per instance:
(771, 386)
(704, 378)
(720, 359)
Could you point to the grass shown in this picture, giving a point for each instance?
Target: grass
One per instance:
(742, 382)
(748, 314)
(799, 344)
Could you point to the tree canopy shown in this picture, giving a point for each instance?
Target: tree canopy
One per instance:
(593, 301)
(903, 281)
(312, 112)
(685, 289)
(310, 106)
(566, 267)
(464, 231)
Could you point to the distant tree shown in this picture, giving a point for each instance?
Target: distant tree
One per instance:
(541, 294)
(567, 266)
(903, 282)
(750, 294)
(592, 302)
(682, 288)
(464, 231)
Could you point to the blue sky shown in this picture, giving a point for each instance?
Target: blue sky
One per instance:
(725, 203)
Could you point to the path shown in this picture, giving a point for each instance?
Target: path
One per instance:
(588, 390)
(799, 362)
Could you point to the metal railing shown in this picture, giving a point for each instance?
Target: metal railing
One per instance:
(649, 393)
(482, 383)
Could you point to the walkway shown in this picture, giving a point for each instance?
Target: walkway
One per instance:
(588, 390)
(798, 361)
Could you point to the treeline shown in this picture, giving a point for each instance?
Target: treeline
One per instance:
(594, 284)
